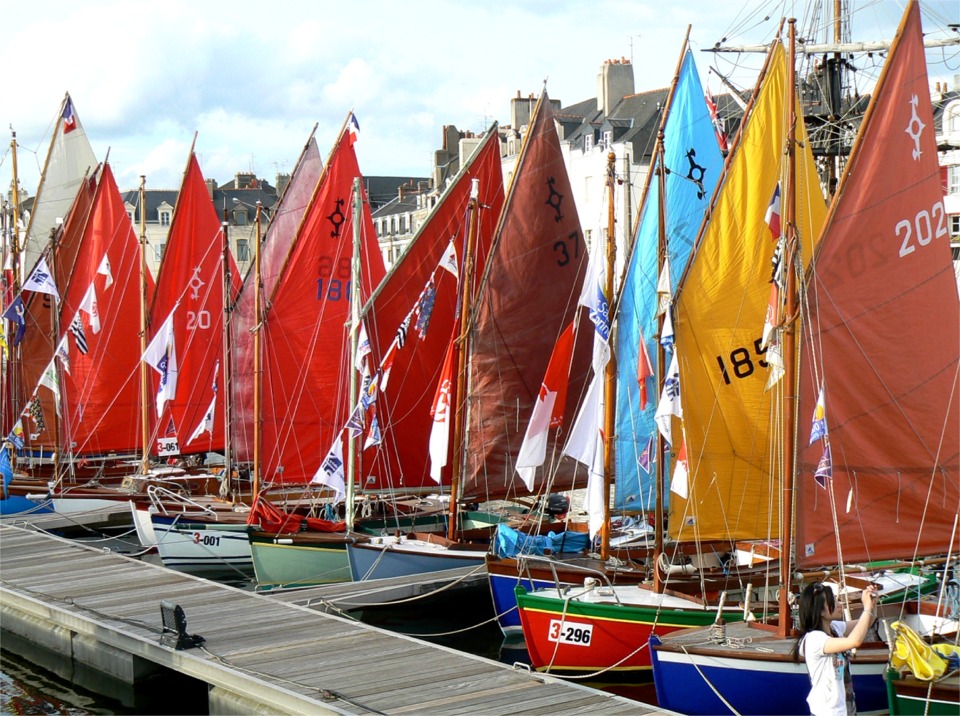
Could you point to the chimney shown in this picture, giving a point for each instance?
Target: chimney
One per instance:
(282, 181)
(614, 82)
(211, 186)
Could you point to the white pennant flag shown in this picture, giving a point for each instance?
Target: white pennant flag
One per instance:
(51, 380)
(330, 472)
(161, 355)
(585, 445)
(680, 482)
(363, 350)
(104, 270)
(206, 424)
(90, 307)
(442, 414)
(41, 280)
(664, 291)
(669, 401)
(448, 261)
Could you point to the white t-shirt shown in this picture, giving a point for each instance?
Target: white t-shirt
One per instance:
(831, 688)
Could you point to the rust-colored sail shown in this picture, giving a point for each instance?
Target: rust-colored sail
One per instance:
(529, 294)
(190, 284)
(402, 460)
(275, 246)
(883, 339)
(306, 341)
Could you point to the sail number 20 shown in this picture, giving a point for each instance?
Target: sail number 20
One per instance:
(741, 362)
(923, 225)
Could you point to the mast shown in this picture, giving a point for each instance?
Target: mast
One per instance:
(227, 403)
(784, 625)
(466, 307)
(610, 370)
(659, 476)
(257, 359)
(15, 233)
(144, 392)
(354, 340)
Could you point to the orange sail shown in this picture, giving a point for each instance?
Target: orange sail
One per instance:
(190, 284)
(306, 340)
(883, 340)
(403, 411)
(529, 293)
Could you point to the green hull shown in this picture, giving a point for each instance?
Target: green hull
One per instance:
(909, 696)
(278, 565)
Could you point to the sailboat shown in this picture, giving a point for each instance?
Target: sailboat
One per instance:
(884, 482)
(195, 286)
(604, 627)
(306, 369)
(424, 285)
(691, 153)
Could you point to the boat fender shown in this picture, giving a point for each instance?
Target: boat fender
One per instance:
(285, 540)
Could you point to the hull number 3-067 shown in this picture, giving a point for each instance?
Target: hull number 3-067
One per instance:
(570, 633)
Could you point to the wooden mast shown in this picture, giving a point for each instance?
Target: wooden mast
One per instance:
(144, 392)
(257, 359)
(354, 340)
(784, 626)
(610, 371)
(226, 284)
(463, 343)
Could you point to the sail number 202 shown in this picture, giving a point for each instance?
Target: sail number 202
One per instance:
(926, 226)
(740, 362)
(570, 633)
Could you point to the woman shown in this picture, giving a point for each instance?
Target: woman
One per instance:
(824, 643)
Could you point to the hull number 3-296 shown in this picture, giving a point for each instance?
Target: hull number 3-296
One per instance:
(570, 633)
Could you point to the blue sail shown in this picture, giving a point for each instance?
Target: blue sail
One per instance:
(694, 163)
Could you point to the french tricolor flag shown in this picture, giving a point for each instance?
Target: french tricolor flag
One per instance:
(353, 128)
(772, 216)
(69, 118)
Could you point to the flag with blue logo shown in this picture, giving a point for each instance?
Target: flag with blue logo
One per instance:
(819, 428)
(824, 467)
(15, 314)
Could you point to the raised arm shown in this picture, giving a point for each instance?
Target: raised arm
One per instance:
(855, 637)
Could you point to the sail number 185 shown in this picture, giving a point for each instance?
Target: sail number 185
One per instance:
(740, 362)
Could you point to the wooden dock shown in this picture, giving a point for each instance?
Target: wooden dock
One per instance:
(261, 654)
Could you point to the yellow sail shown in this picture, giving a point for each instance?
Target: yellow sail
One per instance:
(729, 418)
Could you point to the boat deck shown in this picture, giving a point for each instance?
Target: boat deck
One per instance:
(259, 650)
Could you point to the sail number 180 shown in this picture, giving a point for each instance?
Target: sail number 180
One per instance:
(741, 362)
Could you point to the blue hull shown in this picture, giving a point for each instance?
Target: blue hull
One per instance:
(768, 687)
(16, 504)
(380, 564)
(503, 591)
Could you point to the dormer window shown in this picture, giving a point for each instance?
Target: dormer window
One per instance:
(608, 138)
(165, 217)
(587, 142)
(240, 217)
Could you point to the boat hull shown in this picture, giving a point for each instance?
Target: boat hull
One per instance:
(751, 678)
(908, 696)
(206, 549)
(581, 636)
(299, 560)
(379, 559)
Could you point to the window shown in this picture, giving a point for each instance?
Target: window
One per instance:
(164, 218)
(952, 123)
(955, 225)
(130, 213)
(158, 250)
(953, 180)
(587, 142)
(243, 250)
(240, 217)
(608, 138)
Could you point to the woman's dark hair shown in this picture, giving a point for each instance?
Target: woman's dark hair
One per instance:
(813, 599)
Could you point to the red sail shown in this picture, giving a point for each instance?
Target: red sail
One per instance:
(36, 349)
(402, 461)
(275, 246)
(305, 343)
(529, 293)
(883, 339)
(102, 390)
(190, 283)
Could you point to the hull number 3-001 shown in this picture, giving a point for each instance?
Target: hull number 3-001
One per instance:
(569, 633)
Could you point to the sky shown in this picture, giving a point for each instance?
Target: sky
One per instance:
(251, 79)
